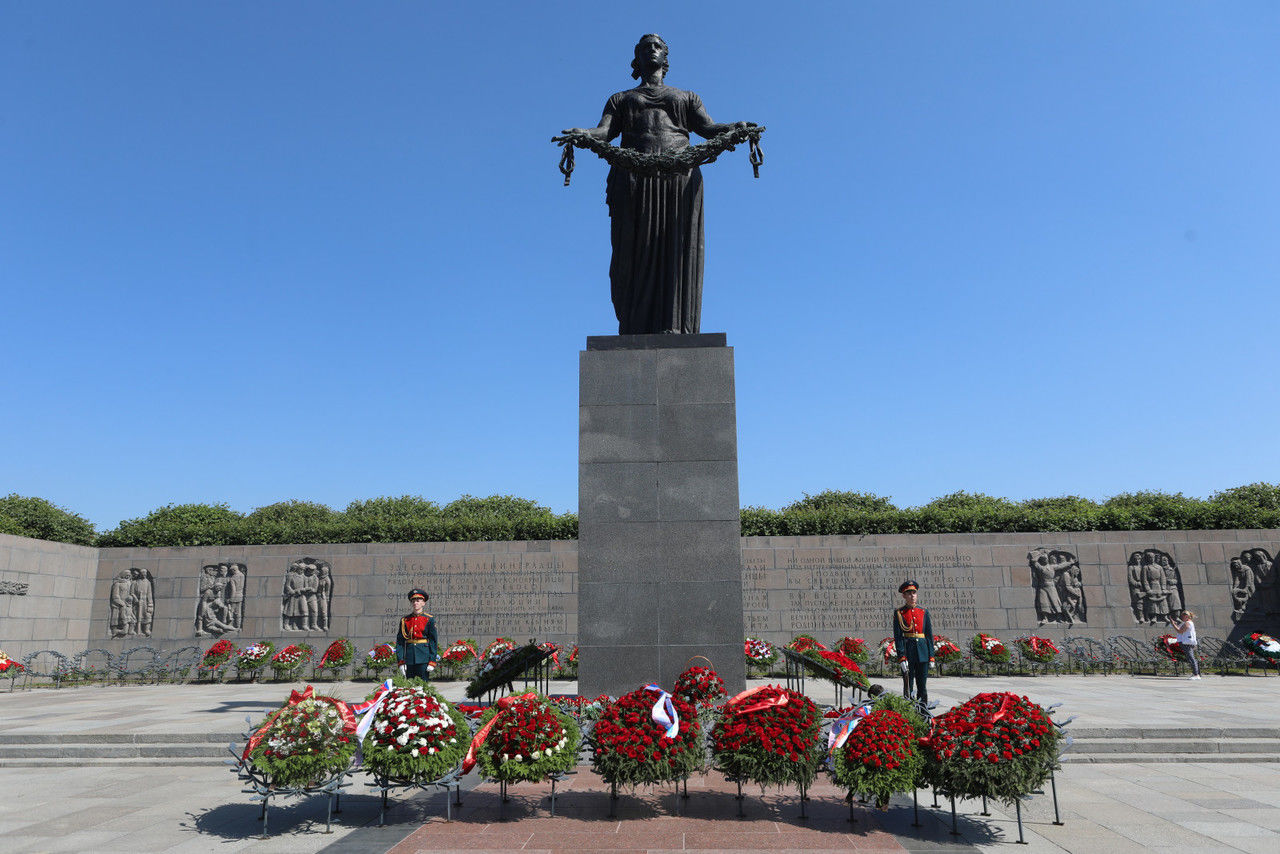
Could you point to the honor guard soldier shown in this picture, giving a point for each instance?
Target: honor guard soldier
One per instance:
(913, 639)
(416, 643)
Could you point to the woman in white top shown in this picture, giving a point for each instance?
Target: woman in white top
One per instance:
(1186, 629)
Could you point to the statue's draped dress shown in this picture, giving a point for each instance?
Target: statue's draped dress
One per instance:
(656, 221)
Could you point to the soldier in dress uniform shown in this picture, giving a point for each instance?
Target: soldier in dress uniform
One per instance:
(913, 638)
(416, 643)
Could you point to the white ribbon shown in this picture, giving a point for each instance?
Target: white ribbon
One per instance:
(366, 720)
(664, 712)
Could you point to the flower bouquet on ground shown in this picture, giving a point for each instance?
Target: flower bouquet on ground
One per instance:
(416, 736)
(303, 744)
(554, 649)
(988, 649)
(945, 651)
(337, 656)
(804, 643)
(854, 649)
(769, 735)
(215, 660)
(1262, 646)
(460, 656)
(1039, 650)
(996, 745)
(290, 660)
(252, 658)
(524, 738)
(878, 757)
(700, 687)
(1167, 648)
(379, 660)
(646, 737)
(760, 655)
(567, 666)
(503, 668)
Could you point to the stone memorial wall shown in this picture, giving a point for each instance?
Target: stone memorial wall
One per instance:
(70, 598)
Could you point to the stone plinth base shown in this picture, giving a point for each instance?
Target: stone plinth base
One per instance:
(659, 558)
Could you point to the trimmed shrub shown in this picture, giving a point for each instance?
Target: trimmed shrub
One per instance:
(44, 520)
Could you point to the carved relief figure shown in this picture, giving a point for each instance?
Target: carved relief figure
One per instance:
(133, 603)
(308, 594)
(1253, 584)
(1242, 587)
(220, 608)
(1059, 586)
(121, 608)
(1155, 586)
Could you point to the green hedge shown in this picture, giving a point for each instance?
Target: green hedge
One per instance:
(412, 519)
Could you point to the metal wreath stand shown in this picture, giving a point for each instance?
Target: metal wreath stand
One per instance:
(259, 786)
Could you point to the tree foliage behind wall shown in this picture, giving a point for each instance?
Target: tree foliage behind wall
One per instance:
(413, 519)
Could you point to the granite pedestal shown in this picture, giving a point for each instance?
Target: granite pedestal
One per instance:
(659, 557)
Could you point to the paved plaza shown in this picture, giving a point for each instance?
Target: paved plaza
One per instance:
(56, 799)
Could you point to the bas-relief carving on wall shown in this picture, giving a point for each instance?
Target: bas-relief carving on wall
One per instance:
(1251, 573)
(220, 608)
(1155, 586)
(133, 603)
(308, 593)
(14, 588)
(1059, 586)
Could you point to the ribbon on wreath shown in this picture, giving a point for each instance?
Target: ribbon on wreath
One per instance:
(740, 700)
(664, 712)
(369, 708)
(504, 706)
(842, 728)
(297, 698)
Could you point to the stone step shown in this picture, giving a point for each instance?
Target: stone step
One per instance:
(122, 762)
(1174, 732)
(1073, 758)
(1175, 746)
(122, 738)
(114, 751)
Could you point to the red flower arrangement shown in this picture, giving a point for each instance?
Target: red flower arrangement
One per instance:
(760, 653)
(7, 664)
(879, 758)
(700, 686)
(854, 649)
(291, 658)
(1168, 646)
(338, 654)
(848, 672)
(769, 735)
(581, 708)
(997, 745)
(888, 650)
(379, 659)
(415, 735)
(804, 643)
(217, 656)
(567, 666)
(495, 649)
(989, 649)
(631, 749)
(459, 653)
(1037, 649)
(1263, 646)
(945, 651)
(524, 738)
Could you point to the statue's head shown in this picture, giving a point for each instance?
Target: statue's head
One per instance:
(646, 44)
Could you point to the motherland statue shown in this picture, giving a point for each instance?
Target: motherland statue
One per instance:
(654, 193)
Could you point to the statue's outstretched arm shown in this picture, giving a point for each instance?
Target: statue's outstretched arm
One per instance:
(604, 131)
(701, 124)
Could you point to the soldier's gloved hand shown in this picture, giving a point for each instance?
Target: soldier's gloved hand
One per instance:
(903, 665)
(404, 671)
(431, 665)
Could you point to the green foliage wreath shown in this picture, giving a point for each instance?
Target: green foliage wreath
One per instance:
(416, 734)
(530, 739)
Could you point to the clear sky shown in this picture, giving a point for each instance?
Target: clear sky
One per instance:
(259, 251)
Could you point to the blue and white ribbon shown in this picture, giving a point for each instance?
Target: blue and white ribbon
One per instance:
(664, 712)
(844, 727)
(370, 709)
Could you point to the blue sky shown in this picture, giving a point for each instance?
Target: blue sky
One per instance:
(259, 251)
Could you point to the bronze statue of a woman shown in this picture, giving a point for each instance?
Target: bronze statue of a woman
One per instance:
(656, 219)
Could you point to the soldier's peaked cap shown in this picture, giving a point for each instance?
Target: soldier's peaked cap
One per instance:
(418, 593)
(908, 585)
